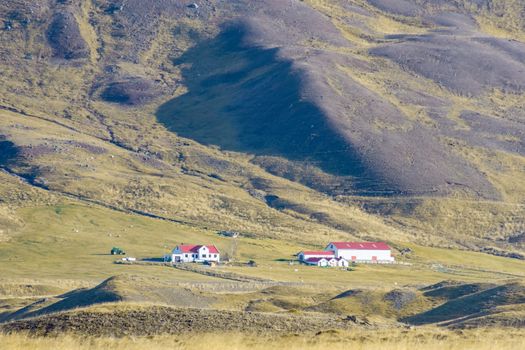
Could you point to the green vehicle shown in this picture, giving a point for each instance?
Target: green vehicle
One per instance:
(117, 251)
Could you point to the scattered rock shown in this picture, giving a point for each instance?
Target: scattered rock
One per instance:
(233, 234)
(400, 298)
(498, 252)
(8, 25)
(405, 251)
(516, 239)
(357, 320)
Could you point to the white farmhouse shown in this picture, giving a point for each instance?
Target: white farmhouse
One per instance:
(194, 253)
(362, 252)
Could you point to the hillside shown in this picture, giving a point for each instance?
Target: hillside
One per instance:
(146, 124)
(280, 119)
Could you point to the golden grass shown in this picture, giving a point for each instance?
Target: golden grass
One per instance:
(379, 24)
(391, 339)
(88, 32)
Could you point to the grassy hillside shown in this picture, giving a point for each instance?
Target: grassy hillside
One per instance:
(146, 124)
(122, 115)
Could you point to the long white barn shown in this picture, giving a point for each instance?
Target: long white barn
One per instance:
(367, 252)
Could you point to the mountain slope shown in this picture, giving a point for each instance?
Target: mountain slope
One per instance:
(372, 119)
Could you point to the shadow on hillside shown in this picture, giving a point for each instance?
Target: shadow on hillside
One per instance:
(472, 305)
(9, 153)
(247, 99)
(103, 293)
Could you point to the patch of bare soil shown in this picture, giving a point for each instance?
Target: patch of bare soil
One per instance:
(161, 320)
(65, 38)
(400, 298)
(464, 66)
(132, 91)
(453, 291)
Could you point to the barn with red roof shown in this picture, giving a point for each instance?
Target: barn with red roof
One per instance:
(362, 252)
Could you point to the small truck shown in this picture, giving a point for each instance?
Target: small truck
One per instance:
(117, 251)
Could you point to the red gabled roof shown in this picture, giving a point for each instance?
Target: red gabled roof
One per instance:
(192, 248)
(361, 245)
(213, 249)
(320, 252)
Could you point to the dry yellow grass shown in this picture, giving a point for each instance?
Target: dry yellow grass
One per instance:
(397, 339)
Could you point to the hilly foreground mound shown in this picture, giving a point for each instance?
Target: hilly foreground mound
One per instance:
(153, 320)
(138, 306)
(478, 307)
(122, 288)
(394, 120)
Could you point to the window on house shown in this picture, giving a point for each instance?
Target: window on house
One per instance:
(214, 255)
(185, 255)
(203, 255)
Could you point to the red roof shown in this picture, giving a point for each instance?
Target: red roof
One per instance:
(320, 252)
(191, 248)
(361, 245)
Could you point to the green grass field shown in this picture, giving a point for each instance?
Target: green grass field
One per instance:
(72, 241)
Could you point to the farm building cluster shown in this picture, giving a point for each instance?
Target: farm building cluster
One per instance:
(336, 254)
(343, 253)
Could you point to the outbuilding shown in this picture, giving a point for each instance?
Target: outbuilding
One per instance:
(307, 254)
(322, 262)
(362, 252)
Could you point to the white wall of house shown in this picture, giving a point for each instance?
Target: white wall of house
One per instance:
(183, 257)
(322, 263)
(205, 255)
(332, 262)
